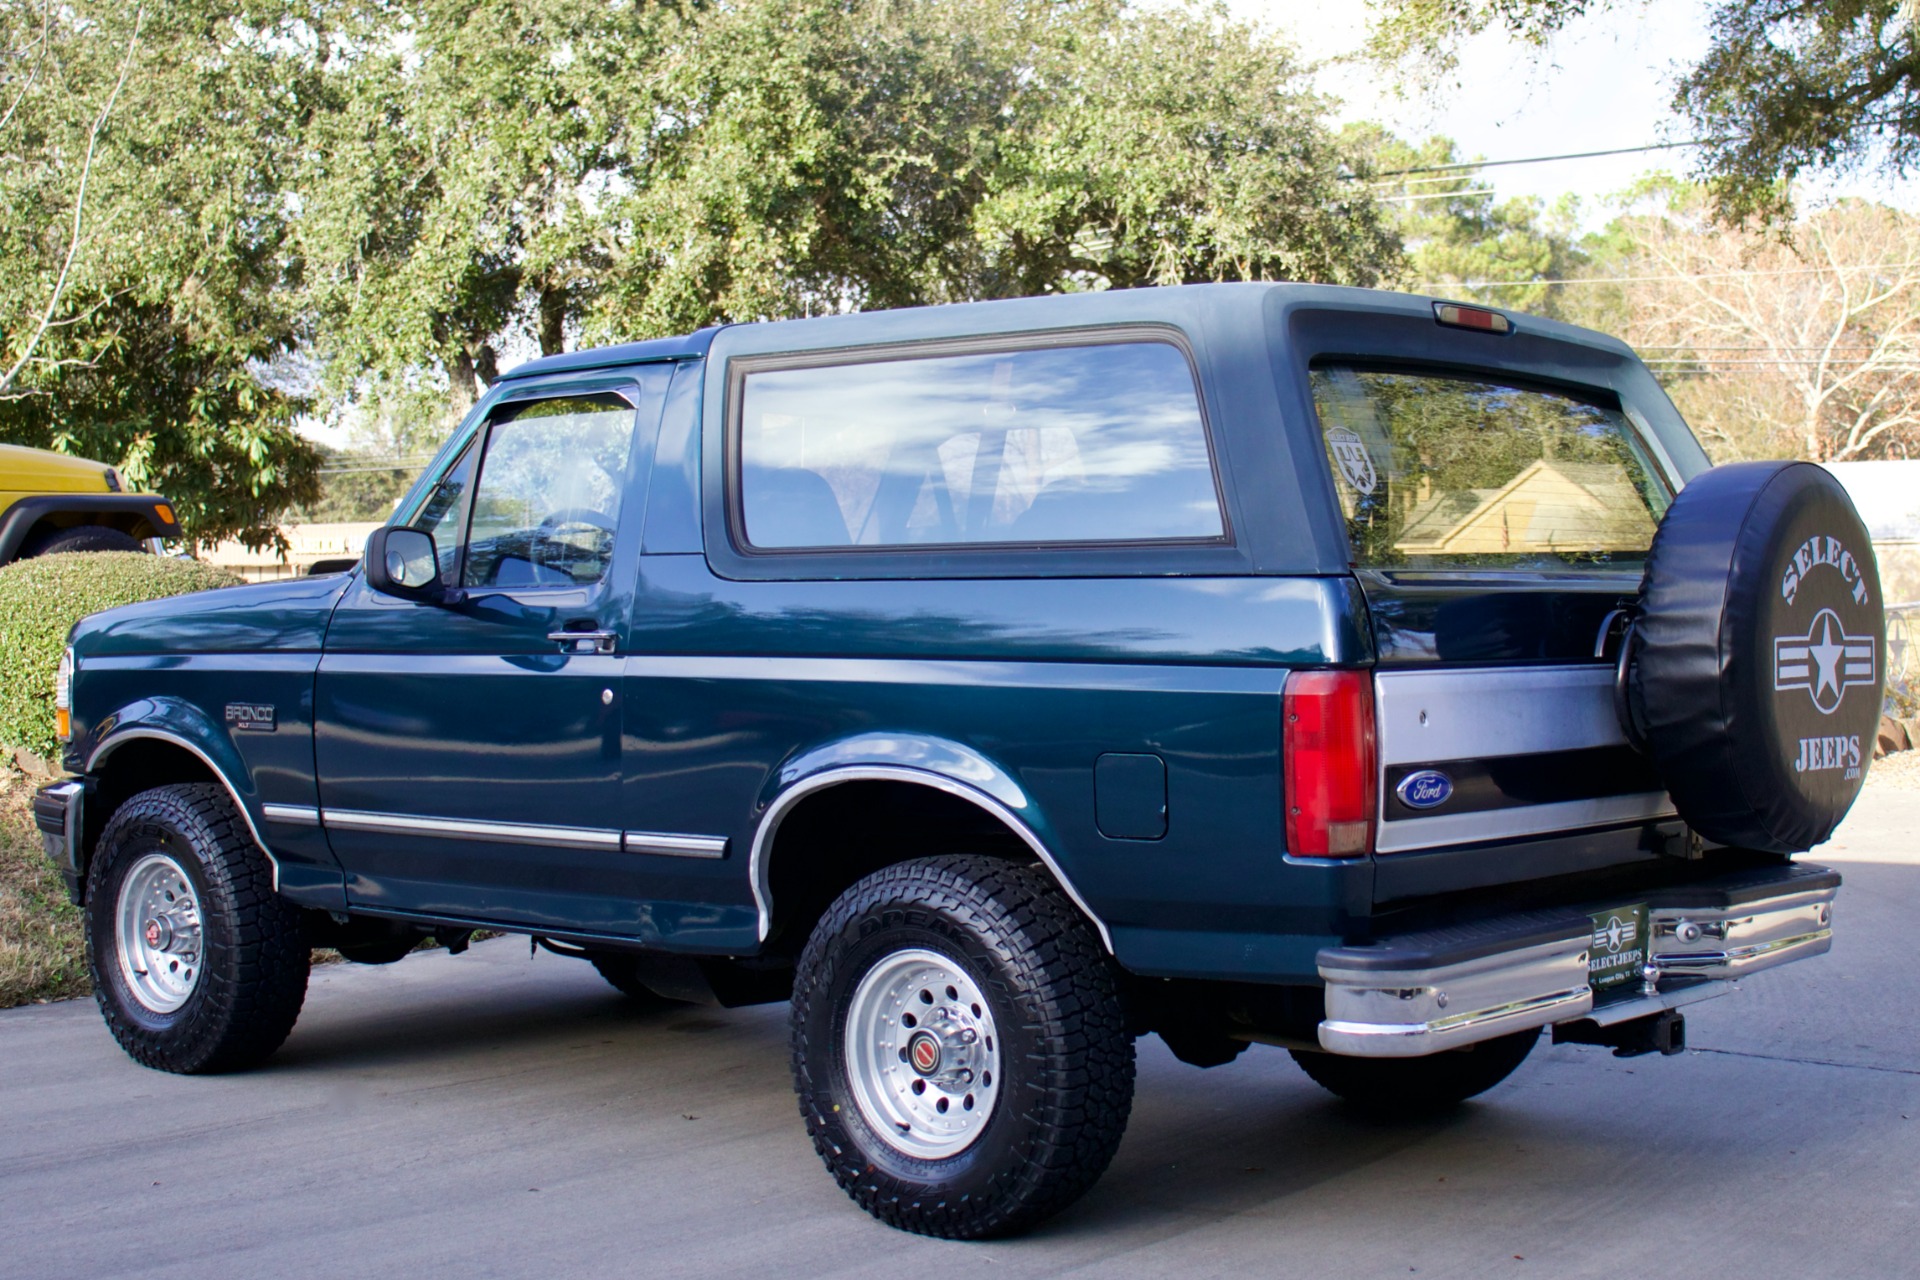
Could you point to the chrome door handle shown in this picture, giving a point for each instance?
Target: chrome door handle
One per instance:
(585, 641)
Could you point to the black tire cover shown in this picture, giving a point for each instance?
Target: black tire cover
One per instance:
(1758, 655)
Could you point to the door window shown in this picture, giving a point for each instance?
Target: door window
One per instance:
(444, 513)
(548, 500)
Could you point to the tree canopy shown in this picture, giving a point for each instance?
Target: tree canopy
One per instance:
(218, 218)
(1785, 88)
(144, 162)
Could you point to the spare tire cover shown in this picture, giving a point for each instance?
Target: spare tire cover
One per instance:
(1756, 661)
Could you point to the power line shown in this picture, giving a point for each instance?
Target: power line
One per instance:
(1417, 182)
(1430, 285)
(1570, 155)
(1767, 364)
(1435, 195)
(1808, 346)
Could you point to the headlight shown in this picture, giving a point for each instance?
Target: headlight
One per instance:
(63, 698)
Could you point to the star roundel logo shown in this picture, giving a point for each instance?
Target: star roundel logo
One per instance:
(1350, 455)
(1826, 662)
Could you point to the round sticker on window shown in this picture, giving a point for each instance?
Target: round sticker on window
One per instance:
(1350, 455)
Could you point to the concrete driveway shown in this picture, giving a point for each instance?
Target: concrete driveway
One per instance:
(495, 1115)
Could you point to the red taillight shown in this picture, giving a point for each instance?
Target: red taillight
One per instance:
(1328, 746)
(1459, 317)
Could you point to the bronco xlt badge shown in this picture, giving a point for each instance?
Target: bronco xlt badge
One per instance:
(250, 717)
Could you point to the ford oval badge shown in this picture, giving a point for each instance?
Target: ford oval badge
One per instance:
(1425, 789)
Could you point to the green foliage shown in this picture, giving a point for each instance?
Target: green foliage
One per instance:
(1785, 87)
(1457, 239)
(41, 599)
(649, 170)
(1430, 31)
(138, 340)
(1171, 147)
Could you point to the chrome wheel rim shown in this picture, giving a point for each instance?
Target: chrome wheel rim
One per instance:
(923, 1054)
(157, 926)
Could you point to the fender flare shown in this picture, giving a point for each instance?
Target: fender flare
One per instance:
(936, 763)
(142, 510)
(182, 725)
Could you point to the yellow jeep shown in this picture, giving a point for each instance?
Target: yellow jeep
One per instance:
(50, 502)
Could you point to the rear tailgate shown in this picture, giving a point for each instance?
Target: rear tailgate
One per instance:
(1499, 493)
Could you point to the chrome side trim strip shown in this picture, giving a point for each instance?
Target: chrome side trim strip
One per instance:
(777, 811)
(293, 815)
(1475, 714)
(457, 829)
(1406, 834)
(115, 741)
(674, 846)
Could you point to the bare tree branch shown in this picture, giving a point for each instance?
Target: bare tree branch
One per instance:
(33, 73)
(1809, 351)
(79, 209)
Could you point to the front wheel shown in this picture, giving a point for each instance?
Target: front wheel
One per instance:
(959, 1047)
(197, 965)
(1411, 1088)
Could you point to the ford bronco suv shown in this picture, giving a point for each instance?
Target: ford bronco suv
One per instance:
(51, 503)
(1382, 679)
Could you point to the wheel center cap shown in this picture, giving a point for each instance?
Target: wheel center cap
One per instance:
(923, 1053)
(157, 934)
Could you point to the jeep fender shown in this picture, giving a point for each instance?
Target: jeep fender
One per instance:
(938, 763)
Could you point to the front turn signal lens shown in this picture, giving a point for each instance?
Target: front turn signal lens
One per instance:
(1330, 765)
(63, 698)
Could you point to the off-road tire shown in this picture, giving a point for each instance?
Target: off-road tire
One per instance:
(86, 537)
(255, 957)
(1067, 1058)
(1414, 1088)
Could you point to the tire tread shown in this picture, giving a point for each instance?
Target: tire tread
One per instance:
(250, 995)
(1083, 1090)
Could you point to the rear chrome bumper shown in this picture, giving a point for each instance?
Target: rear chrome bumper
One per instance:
(1423, 993)
(1733, 942)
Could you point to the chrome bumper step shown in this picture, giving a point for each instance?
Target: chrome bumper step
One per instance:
(1423, 993)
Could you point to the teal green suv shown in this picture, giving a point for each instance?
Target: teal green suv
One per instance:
(1382, 679)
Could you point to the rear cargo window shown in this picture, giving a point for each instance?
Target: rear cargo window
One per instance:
(1095, 443)
(1443, 471)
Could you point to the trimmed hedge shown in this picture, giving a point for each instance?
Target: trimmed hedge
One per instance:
(41, 599)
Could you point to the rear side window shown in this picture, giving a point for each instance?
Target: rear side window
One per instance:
(1443, 471)
(1095, 443)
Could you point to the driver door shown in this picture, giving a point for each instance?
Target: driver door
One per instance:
(468, 752)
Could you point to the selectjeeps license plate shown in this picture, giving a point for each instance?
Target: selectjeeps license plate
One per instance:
(1619, 950)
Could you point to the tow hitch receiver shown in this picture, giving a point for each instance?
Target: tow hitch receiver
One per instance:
(1664, 1033)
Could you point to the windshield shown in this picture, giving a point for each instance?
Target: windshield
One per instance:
(1445, 471)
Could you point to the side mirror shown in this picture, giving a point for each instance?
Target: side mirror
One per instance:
(404, 563)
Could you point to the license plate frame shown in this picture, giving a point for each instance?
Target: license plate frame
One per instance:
(1617, 951)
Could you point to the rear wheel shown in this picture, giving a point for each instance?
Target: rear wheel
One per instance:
(1410, 1088)
(959, 1047)
(86, 537)
(197, 965)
